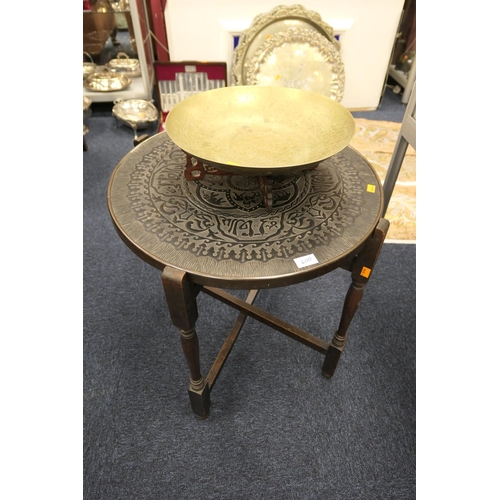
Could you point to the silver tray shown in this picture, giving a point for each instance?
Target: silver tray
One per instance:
(299, 58)
(104, 81)
(263, 26)
(136, 113)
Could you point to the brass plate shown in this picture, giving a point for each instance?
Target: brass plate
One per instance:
(106, 82)
(299, 58)
(260, 130)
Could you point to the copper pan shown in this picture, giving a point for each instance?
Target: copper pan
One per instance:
(260, 130)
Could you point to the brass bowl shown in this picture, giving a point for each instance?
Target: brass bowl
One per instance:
(260, 130)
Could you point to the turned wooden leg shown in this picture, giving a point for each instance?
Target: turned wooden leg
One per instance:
(351, 303)
(181, 301)
(361, 271)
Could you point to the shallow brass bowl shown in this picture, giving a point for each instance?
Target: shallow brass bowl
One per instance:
(260, 130)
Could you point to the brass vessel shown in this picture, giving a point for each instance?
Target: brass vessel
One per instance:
(260, 130)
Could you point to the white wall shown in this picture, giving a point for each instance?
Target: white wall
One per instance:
(201, 30)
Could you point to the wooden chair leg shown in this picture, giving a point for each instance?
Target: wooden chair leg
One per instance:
(181, 301)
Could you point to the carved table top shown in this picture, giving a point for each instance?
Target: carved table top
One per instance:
(218, 229)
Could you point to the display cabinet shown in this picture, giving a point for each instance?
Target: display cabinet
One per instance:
(405, 80)
(112, 28)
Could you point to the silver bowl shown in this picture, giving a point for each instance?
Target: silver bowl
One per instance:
(136, 113)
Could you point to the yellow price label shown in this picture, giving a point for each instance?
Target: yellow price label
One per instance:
(371, 188)
(365, 272)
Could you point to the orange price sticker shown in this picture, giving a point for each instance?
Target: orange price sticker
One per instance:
(365, 272)
(370, 188)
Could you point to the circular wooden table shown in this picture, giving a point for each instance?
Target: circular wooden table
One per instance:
(216, 233)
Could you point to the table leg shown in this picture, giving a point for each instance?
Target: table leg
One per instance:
(361, 271)
(181, 301)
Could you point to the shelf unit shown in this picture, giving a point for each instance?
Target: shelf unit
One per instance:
(405, 80)
(141, 86)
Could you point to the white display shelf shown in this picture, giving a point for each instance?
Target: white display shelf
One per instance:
(136, 90)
